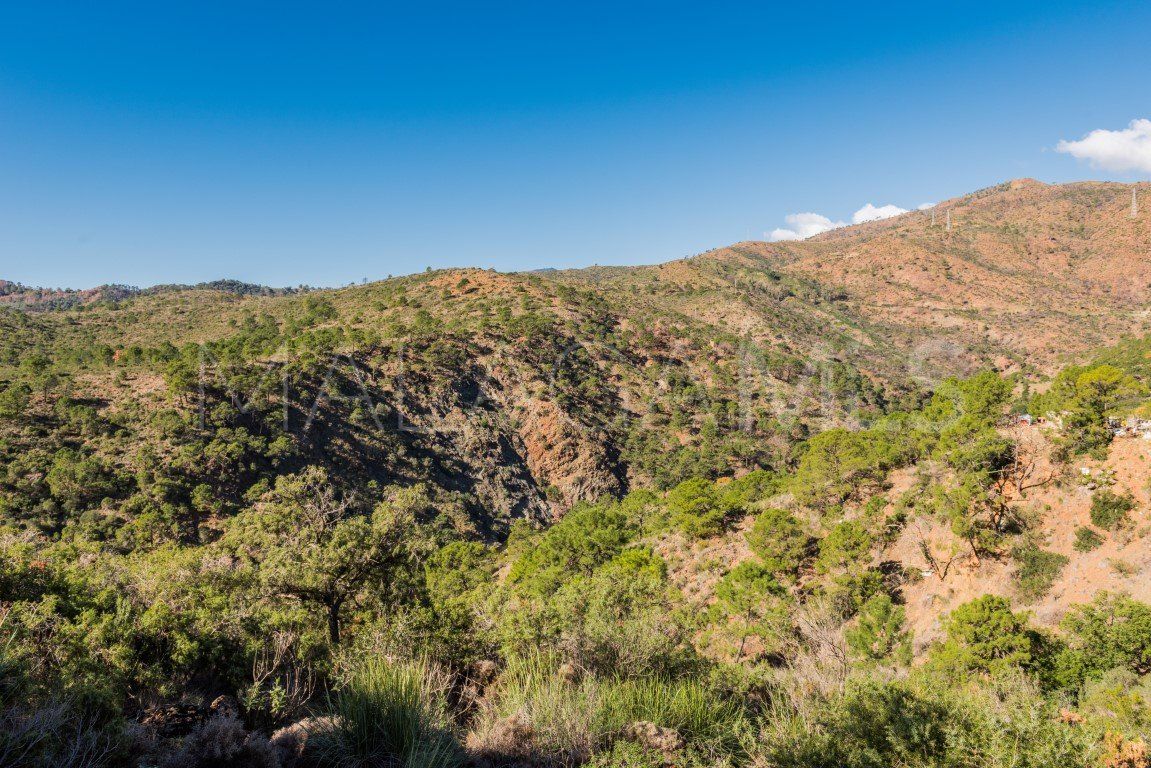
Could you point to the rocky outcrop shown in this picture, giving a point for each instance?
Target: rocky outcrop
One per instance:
(564, 455)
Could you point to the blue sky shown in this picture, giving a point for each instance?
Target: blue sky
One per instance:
(288, 143)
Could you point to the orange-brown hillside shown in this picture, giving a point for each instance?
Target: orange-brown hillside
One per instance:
(1028, 271)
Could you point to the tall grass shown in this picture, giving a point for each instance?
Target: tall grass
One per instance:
(704, 719)
(560, 712)
(392, 714)
(570, 720)
(918, 723)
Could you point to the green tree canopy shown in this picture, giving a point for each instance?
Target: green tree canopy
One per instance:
(752, 597)
(840, 463)
(779, 539)
(1112, 631)
(305, 541)
(986, 636)
(584, 539)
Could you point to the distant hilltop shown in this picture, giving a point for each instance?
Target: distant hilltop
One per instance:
(19, 296)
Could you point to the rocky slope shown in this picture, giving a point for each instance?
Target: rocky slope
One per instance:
(1028, 274)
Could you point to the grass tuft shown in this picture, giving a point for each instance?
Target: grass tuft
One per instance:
(390, 713)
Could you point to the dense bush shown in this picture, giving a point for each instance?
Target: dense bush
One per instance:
(584, 539)
(880, 634)
(986, 636)
(1111, 632)
(839, 464)
(1087, 539)
(1036, 570)
(847, 543)
(1109, 509)
(699, 508)
(779, 540)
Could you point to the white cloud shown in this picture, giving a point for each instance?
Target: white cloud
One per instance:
(925, 206)
(801, 226)
(804, 225)
(870, 212)
(1128, 149)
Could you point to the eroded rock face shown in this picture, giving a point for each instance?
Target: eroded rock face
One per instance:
(564, 455)
(522, 454)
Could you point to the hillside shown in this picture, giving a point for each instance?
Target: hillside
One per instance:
(865, 499)
(24, 297)
(733, 353)
(1029, 272)
(519, 393)
(584, 374)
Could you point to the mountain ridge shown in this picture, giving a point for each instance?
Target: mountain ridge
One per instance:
(596, 363)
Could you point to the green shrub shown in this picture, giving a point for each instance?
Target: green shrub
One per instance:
(458, 569)
(698, 509)
(1122, 567)
(873, 726)
(985, 636)
(624, 620)
(1109, 632)
(880, 633)
(1089, 394)
(628, 754)
(919, 724)
(752, 487)
(847, 592)
(1036, 570)
(1087, 539)
(14, 400)
(1120, 698)
(586, 538)
(839, 464)
(1109, 509)
(779, 539)
(46, 731)
(848, 543)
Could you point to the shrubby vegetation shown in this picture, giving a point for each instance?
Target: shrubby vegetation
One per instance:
(1109, 509)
